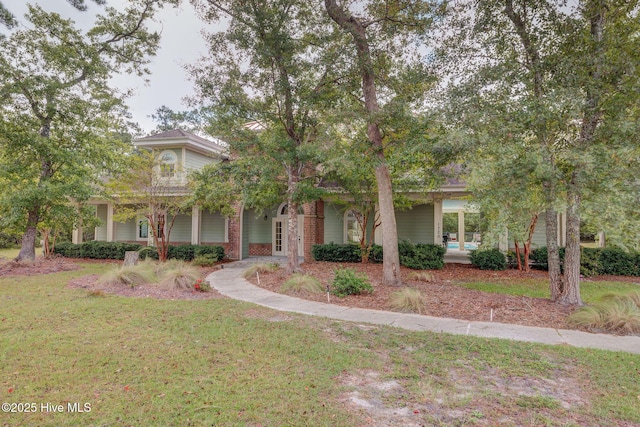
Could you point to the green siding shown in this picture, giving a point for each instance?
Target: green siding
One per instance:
(101, 230)
(416, 224)
(540, 234)
(194, 161)
(181, 231)
(125, 231)
(212, 227)
(333, 224)
(259, 229)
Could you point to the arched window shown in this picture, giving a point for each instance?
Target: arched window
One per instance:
(168, 161)
(352, 228)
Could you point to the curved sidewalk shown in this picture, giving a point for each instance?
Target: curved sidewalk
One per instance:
(228, 281)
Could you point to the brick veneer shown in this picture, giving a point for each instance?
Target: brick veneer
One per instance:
(313, 226)
(234, 245)
(260, 249)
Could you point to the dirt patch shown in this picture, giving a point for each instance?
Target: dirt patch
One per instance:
(445, 297)
(37, 267)
(465, 396)
(91, 284)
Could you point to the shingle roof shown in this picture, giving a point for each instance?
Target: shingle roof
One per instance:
(184, 135)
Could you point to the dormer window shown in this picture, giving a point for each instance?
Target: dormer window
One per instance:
(168, 161)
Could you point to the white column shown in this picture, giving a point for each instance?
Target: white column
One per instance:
(503, 243)
(110, 231)
(461, 229)
(601, 239)
(76, 235)
(195, 225)
(437, 221)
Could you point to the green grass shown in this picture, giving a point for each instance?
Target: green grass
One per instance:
(9, 253)
(141, 361)
(539, 288)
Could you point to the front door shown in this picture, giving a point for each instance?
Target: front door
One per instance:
(279, 234)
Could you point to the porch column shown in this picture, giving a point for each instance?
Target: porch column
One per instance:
(195, 225)
(76, 235)
(503, 242)
(110, 233)
(437, 221)
(461, 229)
(562, 230)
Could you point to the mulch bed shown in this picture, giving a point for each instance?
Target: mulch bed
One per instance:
(445, 298)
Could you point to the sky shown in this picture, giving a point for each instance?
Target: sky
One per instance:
(181, 43)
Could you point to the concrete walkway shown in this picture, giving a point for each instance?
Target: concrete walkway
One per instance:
(229, 282)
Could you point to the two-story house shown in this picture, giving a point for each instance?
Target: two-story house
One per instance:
(264, 233)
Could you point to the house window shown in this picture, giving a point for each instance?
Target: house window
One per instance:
(353, 231)
(143, 229)
(168, 161)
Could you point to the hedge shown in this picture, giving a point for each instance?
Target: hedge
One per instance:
(489, 259)
(417, 256)
(116, 250)
(95, 249)
(594, 261)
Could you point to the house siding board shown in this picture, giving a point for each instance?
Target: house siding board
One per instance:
(416, 225)
(212, 227)
(125, 231)
(101, 230)
(181, 231)
(259, 229)
(333, 224)
(195, 161)
(539, 235)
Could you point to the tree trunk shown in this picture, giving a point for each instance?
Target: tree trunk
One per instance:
(131, 258)
(571, 294)
(293, 265)
(517, 248)
(28, 246)
(391, 257)
(556, 285)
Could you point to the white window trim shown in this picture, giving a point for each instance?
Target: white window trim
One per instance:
(345, 234)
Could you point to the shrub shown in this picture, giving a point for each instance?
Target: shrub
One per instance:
(618, 262)
(421, 256)
(418, 256)
(376, 254)
(178, 274)
(488, 259)
(409, 300)
(189, 252)
(67, 250)
(209, 250)
(589, 261)
(619, 313)
(593, 261)
(336, 253)
(8, 241)
(259, 268)
(148, 252)
(201, 285)
(347, 282)
(95, 249)
(302, 282)
(130, 275)
(206, 260)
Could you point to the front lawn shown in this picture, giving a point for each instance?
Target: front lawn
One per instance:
(143, 361)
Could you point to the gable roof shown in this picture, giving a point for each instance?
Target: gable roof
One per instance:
(179, 138)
